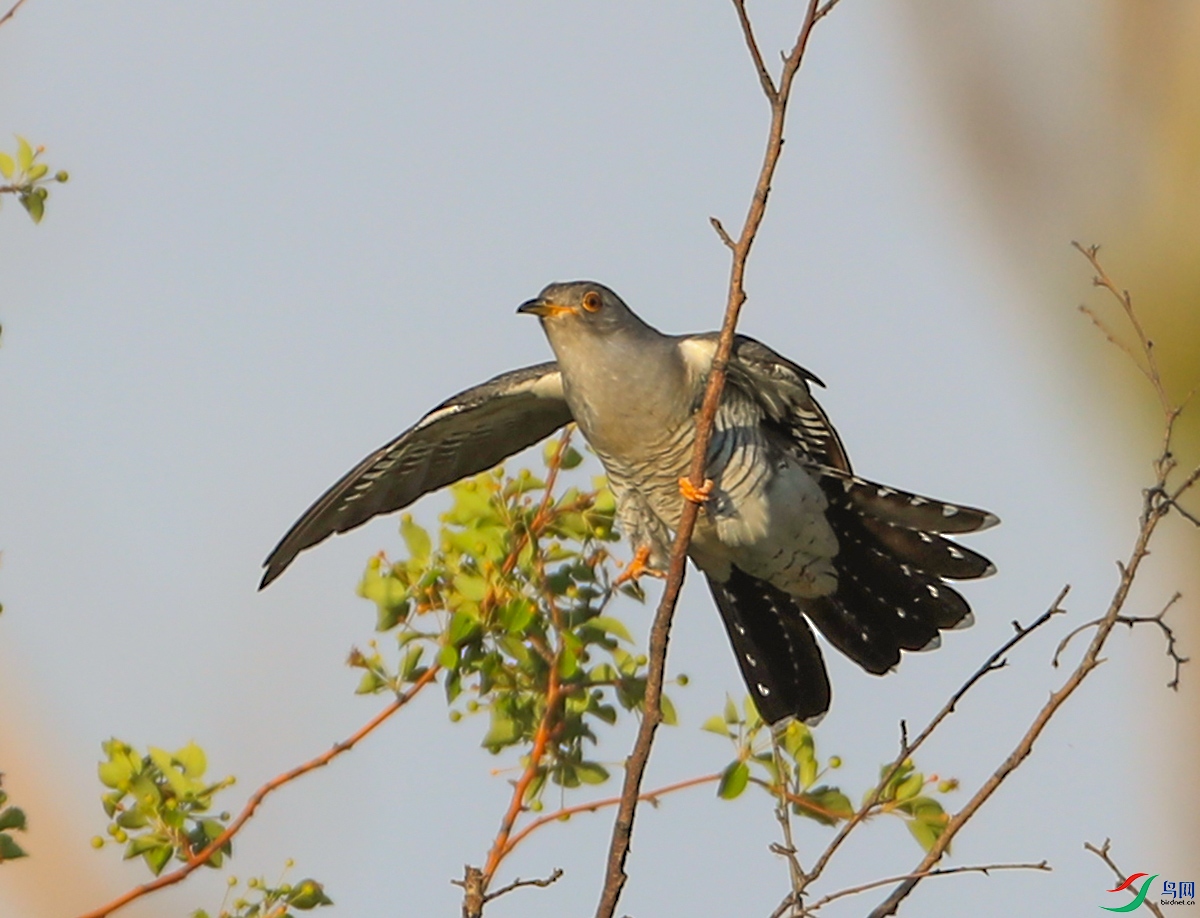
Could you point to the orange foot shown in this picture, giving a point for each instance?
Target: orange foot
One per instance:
(638, 568)
(691, 492)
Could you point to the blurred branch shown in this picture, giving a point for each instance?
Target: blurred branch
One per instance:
(1157, 502)
(985, 869)
(635, 766)
(650, 796)
(202, 858)
(12, 12)
(1102, 853)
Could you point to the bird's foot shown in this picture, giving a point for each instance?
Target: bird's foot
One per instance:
(696, 495)
(638, 567)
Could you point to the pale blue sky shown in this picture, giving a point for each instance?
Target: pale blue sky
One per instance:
(293, 227)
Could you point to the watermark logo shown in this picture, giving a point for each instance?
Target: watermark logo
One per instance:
(1174, 892)
(1138, 899)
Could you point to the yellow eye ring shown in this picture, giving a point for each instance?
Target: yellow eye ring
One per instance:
(591, 301)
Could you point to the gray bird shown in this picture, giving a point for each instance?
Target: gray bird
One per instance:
(788, 536)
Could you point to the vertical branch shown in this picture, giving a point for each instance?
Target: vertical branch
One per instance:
(635, 765)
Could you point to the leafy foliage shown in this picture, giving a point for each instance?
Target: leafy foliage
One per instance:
(510, 599)
(159, 804)
(789, 769)
(27, 178)
(12, 819)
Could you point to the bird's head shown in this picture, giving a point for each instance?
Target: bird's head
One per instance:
(580, 308)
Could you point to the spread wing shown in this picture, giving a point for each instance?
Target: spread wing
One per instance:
(466, 434)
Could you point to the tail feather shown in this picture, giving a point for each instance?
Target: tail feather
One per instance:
(775, 647)
(905, 509)
(928, 552)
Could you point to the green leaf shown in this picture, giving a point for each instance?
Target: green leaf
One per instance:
(116, 773)
(833, 806)
(669, 716)
(38, 170)
(409, 666)
(24, 154)
(416, 538)
(35, 205)
(156, 858)
(7, 166)
(591, 773)
(610, 625)
(463, 627)
(503, 732)
(308, 894)
(9, 849)
(733, 780)
(368, 684)
(448, 657)
(924, 832)
(12, 818)
(471, 586)
(731, 711)
(716, 724)
(571, 458)
(910, 786)
(192, 759)
(753, 718)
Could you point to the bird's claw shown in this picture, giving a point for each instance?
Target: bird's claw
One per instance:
(697, 495)
(638, 567)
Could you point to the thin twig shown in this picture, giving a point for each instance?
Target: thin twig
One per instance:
(635, 765)
(541, 740)
(764, 77)
(1132, 620)
(9, 15)
(1154, 509)
(783, 815)
(518, 883)
(938, 872)
(650, 796)
(1102, 853)
(202, 857)
(994, 662)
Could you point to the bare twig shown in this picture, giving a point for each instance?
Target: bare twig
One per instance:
(783, 815)
(635, 765)
(996, 661)
(12, 12)
(203, 857)
(764, 77)
(985, 869)
(518, 883)
(1132, 620)
(1157, 502)
(1102, 853)
(651, 796)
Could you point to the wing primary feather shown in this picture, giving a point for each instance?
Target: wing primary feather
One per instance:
(468, 433)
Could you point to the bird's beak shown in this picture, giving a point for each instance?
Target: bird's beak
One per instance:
(544, 309)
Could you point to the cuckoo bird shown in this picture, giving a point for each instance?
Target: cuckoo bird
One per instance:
(789, 538)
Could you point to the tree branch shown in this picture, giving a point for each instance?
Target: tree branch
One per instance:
(939, 872)
(1102, 853)
(1156, 504)
(635, 766)
(995, 662)
(202, 858)
(12, 12)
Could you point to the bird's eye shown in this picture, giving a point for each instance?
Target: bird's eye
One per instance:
(591, 301)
